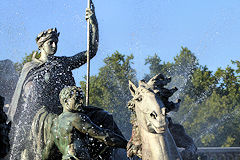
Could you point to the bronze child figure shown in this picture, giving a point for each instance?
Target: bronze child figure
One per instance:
(71, 127)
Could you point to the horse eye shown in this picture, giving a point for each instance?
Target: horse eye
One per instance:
(153, 115)
(139, 99)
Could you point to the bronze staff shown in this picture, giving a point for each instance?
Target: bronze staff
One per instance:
(88, 57)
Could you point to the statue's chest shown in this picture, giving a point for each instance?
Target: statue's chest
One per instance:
(53, 74)
(65, 127)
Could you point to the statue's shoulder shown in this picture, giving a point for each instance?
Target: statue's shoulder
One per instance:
(69, 116)
(29, 65)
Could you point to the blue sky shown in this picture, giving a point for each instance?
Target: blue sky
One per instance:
(210, 29)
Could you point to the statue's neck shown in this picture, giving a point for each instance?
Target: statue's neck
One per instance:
(43, 57)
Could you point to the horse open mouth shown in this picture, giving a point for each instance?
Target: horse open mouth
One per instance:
(156, 130)
(160, 130)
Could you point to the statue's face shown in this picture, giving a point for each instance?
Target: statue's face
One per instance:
(75, 101)
(50, 47)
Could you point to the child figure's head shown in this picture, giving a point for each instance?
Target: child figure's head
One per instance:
(71, 98)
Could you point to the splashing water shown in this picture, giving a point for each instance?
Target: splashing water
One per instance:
(213, 127)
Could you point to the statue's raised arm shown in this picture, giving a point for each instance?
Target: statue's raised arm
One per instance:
(81, 58)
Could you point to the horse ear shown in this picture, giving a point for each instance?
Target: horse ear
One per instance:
(142, 83)
(132, 88)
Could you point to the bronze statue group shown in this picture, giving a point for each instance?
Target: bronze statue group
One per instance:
(46, 126)
(49, 118)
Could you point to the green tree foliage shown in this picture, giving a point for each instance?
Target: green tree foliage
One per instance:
(213, 118)
(156, 67)
(185, 63)
(197, 90)
(181, 70)
(219, 114)
(202, 84)
(109, 88)
(238, 66)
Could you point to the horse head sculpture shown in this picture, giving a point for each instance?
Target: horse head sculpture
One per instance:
(150, 121)
(150, 110)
